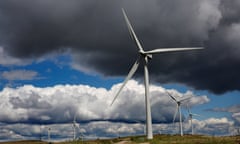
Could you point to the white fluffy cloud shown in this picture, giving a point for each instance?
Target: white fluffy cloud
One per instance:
(236, 117)
(233, 110)
(59, 104)
(214, 126)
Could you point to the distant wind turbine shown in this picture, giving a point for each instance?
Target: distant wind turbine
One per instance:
(190, 116)
(49, 134)
(238, 130)
(74, 127)
(144, 56)
(178, 101)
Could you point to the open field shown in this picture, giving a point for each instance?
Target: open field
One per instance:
(158, 139)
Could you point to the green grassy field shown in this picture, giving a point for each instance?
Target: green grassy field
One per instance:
(158, 139)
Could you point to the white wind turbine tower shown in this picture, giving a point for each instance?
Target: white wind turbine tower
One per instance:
(179, 101)
(74, 126)
(237, 131)
(190, 116)
(49, 134)
(145, 56)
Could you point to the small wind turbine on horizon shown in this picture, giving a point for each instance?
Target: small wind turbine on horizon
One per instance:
(49, 134)
(74, 127)
(237, 131)
(145, 56)
(190, 116)
(178, 101)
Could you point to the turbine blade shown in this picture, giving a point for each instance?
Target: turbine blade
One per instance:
(161, 50)
(131, 31)
(171, 96)
(195, 114)
(175, 114)
(129, 76)
(185, 98)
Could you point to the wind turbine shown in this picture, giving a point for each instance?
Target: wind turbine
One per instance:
(74, 127)
(238, 131)
(179, 101)
(144, 56)
(49, 134)
(190, 116)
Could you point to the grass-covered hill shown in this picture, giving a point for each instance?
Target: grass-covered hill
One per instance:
(158, 139)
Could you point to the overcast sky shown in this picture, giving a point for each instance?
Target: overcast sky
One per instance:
(59, 58)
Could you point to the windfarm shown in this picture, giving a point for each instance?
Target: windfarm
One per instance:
(119, 72)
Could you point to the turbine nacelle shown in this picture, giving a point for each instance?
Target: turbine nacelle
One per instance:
(144, 54)
(178, 103)
(141, 51)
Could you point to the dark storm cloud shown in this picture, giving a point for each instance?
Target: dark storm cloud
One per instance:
(96, 33)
